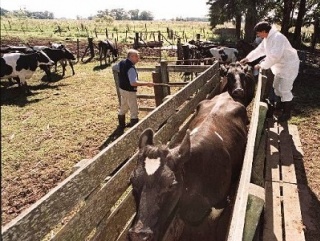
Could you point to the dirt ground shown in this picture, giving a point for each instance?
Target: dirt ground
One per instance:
(306, 115)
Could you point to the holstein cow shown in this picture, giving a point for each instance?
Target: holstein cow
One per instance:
(196, 175)
(224, 54)
(56, 55)
(105, 47)
(22, 66)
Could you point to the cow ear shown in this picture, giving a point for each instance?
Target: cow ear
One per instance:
(146, 138)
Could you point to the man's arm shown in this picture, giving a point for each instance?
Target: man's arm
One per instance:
(134, 80)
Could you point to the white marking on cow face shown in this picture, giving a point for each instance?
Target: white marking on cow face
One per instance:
(195, 130)
(151, 165)
(218, 135)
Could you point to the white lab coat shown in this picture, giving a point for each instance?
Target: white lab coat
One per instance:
(281, 58)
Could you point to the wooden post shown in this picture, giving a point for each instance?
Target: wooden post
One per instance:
(156, 78)
(78, 49)
(136, 41)
(107, 33)
(90, 40)
(198, 36)
(179, 49)
(164, 77)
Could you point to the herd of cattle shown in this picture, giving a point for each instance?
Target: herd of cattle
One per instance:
(20, 62)
(198, 176)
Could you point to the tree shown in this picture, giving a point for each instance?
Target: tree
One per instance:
(134, 14)
(145, 15)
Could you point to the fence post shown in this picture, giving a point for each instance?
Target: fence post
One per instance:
(158, 93)
(136, 40)
(164, 77)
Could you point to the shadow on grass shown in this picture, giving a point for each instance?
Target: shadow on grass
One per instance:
(114, 135)
(101, 67)
(13, 95)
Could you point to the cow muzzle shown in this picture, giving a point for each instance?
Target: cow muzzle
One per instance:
(238, 93)
(141, 235)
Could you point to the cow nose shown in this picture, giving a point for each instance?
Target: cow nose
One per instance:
(141, 235)
(238, 92)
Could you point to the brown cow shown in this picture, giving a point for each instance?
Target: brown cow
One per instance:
(196, 176)
(238, 80)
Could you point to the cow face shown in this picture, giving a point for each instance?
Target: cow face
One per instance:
(238, 81)
(157, 185)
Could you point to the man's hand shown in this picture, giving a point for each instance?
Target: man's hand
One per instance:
(244, 61)
(151, 84)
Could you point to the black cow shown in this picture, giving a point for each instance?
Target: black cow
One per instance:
(238, 80)
(196, 176)
(64, 62)
(22, 66)
(56, 55)
(105, 47)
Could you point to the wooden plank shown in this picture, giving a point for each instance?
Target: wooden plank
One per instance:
(239, 209)
(254, 209)
(293, 225)
(286, 157)
(272, 229)
(263, 108)
(291, 203)
(38, 220)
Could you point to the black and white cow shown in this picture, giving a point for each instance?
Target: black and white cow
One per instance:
(22, 66)
(224, 54)
(56, 55)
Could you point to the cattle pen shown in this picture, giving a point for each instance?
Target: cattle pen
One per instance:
(95, 201)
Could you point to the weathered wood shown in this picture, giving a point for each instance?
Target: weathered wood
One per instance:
(257, 176)
(159, 95)
(263, 108)
(164, 77)
(272, 229)
(239, 209)
(254, 209)
(283, 220)
(187, 68)
(293, 226)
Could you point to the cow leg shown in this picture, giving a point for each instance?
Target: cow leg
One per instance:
(46, 69)
(63, 64)
(71, 65)
(23, 86)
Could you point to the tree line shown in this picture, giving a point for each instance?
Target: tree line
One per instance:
(288, 14)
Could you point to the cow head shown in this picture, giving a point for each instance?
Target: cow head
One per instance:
(157, 185)
(238, 80)
(68, 54)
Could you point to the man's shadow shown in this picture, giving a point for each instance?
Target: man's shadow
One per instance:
(114, 135)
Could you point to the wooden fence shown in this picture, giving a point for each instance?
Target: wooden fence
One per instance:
(95, 202)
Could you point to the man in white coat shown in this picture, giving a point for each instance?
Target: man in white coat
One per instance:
(283, 61)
